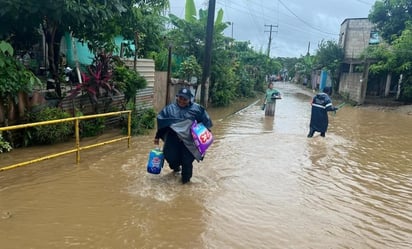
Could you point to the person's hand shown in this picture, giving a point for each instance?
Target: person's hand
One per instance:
(156, 141)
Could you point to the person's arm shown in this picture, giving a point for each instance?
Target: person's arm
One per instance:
(330, 108)
(205, 118)
(278, 94)
(160, 134)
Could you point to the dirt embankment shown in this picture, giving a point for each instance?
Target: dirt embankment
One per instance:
(403, 109)
(377, 103)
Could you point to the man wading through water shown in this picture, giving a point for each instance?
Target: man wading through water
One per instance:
(173, 127)
(321, 105)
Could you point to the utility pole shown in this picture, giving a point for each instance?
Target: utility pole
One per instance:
(204, 92)
(270, 36)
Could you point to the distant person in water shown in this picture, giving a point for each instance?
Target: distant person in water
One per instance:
(271, 95)
(321, 105)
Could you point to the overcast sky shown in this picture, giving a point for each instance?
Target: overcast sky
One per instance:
(295, 23)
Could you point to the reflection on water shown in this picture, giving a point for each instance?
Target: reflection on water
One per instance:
(263, 184)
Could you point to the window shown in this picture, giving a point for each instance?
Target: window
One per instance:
(374, 38)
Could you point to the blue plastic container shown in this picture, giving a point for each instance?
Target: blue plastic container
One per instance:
(156, 161)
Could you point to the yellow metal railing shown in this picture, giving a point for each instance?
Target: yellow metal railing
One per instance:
(77, 148)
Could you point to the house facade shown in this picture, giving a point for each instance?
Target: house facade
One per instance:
(356, 34)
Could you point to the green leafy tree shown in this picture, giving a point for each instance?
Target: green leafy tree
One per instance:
(289, 65)
(141, 24)
(95, 22)
(329, 56)
(55, 18)
(237, 70)
(189, 37)
(304, 67)
(383, 56)
(394, 21)
(190, 68)
(15, 78)
(403, 53)
(390, 17)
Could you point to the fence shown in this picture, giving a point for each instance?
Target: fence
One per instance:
(77, 148)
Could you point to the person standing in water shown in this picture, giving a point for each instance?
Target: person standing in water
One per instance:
(173, 127)
(269, 100)
(321, 105)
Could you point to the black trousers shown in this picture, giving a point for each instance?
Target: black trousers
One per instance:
(176, 155)
(312, 131)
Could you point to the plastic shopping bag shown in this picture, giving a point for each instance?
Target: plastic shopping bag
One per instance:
(202, 137)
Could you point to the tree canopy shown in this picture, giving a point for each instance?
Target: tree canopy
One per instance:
(393, 19)
(390, 17)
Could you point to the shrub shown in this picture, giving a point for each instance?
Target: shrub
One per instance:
(190, 68)
(53, 133)
(91, 127)
(4, 145)
(142, 120)
(14, 78)
(128, 81)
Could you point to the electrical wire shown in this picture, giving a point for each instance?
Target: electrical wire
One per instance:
(305, 22)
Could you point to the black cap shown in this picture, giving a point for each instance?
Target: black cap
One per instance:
(327, 90)
(185, 93)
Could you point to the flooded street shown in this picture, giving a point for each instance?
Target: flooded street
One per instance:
(263, 184)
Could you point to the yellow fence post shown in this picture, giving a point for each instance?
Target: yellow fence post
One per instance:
(77, 133)
(129, 129)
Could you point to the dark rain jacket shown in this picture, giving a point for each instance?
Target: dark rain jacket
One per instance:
(321, 104)
(174, 118)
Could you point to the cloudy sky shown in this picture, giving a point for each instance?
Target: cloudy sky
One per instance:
(296, 24)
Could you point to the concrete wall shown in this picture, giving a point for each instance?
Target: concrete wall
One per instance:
(350, 86)
(354, 36)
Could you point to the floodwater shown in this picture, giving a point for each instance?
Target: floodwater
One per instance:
(263, 184)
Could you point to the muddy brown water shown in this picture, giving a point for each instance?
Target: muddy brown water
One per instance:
(263, 184)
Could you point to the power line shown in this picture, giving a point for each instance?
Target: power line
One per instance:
(365, 2)
(305, 22)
